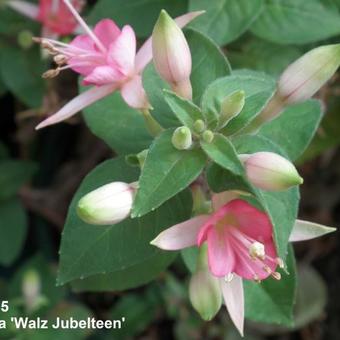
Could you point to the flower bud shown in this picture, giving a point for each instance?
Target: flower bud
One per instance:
(31, 287)
(182, 138)
(231, 106)
(208, 136)
(109, 204)
(199, 126)
(270, 171)
(303, 78)
(171, 55)
(205, 294)
(25, 39)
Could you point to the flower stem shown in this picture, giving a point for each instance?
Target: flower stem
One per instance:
(152, 125)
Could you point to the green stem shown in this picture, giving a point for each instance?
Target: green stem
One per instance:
(152, 125)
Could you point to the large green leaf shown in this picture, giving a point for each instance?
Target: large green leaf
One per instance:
(272, 301)
(222, 152)
(135, 12)
(208, 64)
(120, 126)
(225, 20)
(13, 228)
(261, 55)
(294, 128)
(166, 172)
(258, 89)
(13, 174)
(120, 254)
(21, 72)
(296, 22)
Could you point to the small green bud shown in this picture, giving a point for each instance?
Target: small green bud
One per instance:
(231, 106)
(208, 136)
(182, 138)
(142, 156)
(25, 39)
(199, 126)
(31, 288)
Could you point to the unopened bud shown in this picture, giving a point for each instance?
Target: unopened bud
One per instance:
(108, 204)
(231, 106)
(25, 39)
(171, 55)
(31, 287)
(182, 138)
(303, 78)
(199, 126)
(205, 294)
(270, 171)
(208, 136)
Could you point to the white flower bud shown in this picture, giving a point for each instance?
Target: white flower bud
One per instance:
(182, 138)
(270, 171)
(231, 106)
(108, 204)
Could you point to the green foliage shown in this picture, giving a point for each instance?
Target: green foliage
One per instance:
(121, 251)
(289, 22)
(166, 172)
(225, 20)
(134, 12)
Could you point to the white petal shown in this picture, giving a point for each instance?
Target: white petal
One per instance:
(134, 94)
(77, 104)
(234, 300)
(23, 7)
(304, 230)
(180, 236)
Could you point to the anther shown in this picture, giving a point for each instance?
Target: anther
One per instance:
(256, 278)
(51, 73)
(267, 269)
(60, 59)
(276, 275)
(280, 262)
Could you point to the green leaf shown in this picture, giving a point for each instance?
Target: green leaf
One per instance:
(166, 172)
(272, 301)
(135, 12)
(3, 151)
(112, 120)
(208, 64)
(13, 174)
(13, 229)
(21, 71)
(258, 89)
(186, 111)
(222, 152)
(294, 128)
(289, 22)
(118, 255)
(225, 20)
(263, 56)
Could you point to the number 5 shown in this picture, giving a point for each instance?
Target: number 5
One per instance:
(4, 306)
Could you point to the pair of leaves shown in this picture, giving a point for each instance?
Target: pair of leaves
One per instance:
(116, 256)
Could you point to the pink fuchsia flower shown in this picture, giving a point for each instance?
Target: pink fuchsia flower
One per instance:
(52, 14)
(107, 59)
(239, 240)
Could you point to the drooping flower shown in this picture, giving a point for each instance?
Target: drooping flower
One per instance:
(171, 54)
(270, 171)
(108, 204)
(54, 15)
(107, 59)
(240, 245)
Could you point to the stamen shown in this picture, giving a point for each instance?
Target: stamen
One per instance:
(229, 277)
(267, 269)
(276, 275)
(51, 73)
(256, 278)
(86, 28)
(256, 251)
(60, 59)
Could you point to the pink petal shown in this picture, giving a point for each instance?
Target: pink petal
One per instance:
(180, 236)
(122, 51)
(251, 221)
(107, 31)
(134, 94)
(144, 54)
(221, 256)
(103, 75)
(77, 104)
(304, 230)
(234, 300)
(26, 8)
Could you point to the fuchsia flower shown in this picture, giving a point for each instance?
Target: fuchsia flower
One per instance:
(240, 245)
(53, 15)
(107, 58)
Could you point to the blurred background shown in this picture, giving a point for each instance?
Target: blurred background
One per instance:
(40, 172)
